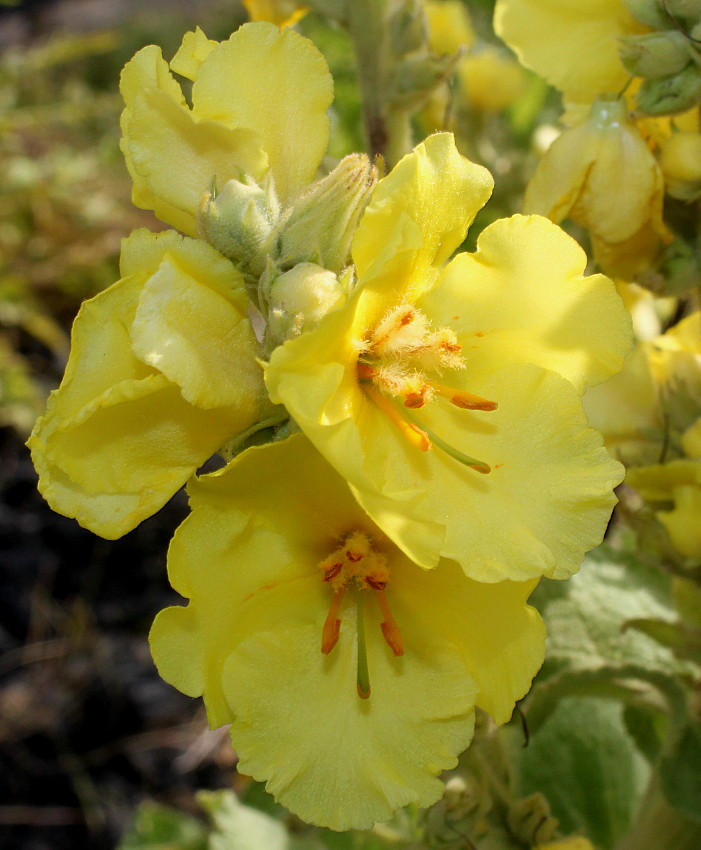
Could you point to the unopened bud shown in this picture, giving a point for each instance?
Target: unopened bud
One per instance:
(655, 54)
(417, 76)
(407, 27)
(648, 12)
(323, 220)
(240, 220)
(680, 160)
(668, 95)
(299, 299)
(684, 11)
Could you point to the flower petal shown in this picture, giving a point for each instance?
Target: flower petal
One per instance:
(330, 757)
(544, 504)
(195, 48)
(419, 214)
(276, 84)
(522, 297)
(501, 639)
(174, 159)
(572, 43)
(198, 338)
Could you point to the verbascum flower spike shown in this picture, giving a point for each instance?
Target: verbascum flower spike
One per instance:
(449, 395)
(161, 373)
(348, 674)
(588, 164)
(259, 111)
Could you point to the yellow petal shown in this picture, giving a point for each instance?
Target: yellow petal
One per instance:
(683, 524)
(501, 639)
(572, 43)
(330, 757)
(522, 297)
(195, 48)
(283, 13)
(198, 339)
(546, 501)
(138, 434)
(419, 214)
(278, 85)
(174, 159)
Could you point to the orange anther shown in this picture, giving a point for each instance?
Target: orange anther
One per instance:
(463, 399)
(389, 627)
(332, 624)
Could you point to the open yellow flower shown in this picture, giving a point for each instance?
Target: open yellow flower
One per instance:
(349, 675)
(573, 44)
(431, 375)
(161, 373)
(259, 110)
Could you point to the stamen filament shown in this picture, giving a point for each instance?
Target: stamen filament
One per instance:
(471, 462)
(411, 431)
(332, 624)
(363, 674)
(389, 627)
(463, 399)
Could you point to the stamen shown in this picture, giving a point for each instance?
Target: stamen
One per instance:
(471, 462)
(332, 624)
(463, 399)
(363, 674)
(366, 372)
(389, 627)
(412, 432)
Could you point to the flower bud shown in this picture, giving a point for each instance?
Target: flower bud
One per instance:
(299, 299)
(648, 12)
(675, 93)
(323, 220)
(240, 221)
(686, 10)
(655, 54)
(680, 160)
(407, 27)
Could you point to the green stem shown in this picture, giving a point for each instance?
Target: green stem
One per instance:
(366, 25)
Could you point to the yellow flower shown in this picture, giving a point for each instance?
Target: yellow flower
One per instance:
(574, 44)
(587, 166)
(490, 80)
(450, 28)
(283, 13)
(259, 113)
(161, 373)
(349, 675)
(676, 357)
(433, 374)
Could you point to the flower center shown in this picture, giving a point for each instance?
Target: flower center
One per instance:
(393, 367)
(356, 562)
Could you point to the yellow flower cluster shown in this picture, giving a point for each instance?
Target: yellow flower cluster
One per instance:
(358, 588)
(617, 63)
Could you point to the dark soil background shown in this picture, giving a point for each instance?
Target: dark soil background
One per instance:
(87, 728)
